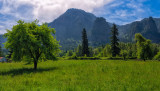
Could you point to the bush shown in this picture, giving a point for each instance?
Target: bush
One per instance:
(157, 57)
(74, 56)
(124, 54)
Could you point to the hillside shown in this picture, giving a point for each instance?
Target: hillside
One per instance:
(100, 33)
(70, 24)
(148, 27)
(157, 21)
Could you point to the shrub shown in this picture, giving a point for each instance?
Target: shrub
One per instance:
(123, 54)
(157, 57)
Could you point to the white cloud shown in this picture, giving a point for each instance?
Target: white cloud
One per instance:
(48, 10)
(124, 11)
(43, 10)
(118, 11)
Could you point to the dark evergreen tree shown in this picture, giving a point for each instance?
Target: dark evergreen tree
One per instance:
(114, 41)
(85, 49)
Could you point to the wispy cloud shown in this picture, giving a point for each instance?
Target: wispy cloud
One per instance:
(43, 10)
(124, 11)
(115, 11)
(47, 10)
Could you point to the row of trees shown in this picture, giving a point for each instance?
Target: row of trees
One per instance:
(142, 49)
(84, 50)
(28, 40)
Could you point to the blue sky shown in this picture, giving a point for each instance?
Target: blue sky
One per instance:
(126, 11)
(115, 11)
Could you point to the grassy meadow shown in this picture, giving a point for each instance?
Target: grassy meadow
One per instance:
(81, 75)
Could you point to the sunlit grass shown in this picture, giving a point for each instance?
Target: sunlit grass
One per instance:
(81, 75)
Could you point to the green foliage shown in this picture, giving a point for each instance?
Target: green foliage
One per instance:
(69, 44)
(79, 51)
(97, 52)
(8, 57)
(114, 41)
(85, 49)
(124, 54)
(81, 75)
(62, 53)
(74, 56)
(32, 41)
(107, 51)
(157, 57)
(144, 50)
(131, 49)
(91, 53)
(155, 48)
(69, 53)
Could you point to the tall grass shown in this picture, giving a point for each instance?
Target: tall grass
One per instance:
(81, 75)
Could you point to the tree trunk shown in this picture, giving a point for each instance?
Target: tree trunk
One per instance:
(35, 65)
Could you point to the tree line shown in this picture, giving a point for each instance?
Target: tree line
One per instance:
(142, 49)
(33, 43)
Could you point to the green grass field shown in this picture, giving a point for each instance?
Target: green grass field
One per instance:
(81, 75)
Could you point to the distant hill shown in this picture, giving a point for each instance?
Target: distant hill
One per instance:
(148, 27)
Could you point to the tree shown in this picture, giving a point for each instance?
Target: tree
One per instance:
(69, 53)
(79, 51)
(157, 57)
(8, 57)
(124, 54)
(91, 52)
(107, 51)
(85, 49)
(144, 50)
(114, 41)
(31, 41)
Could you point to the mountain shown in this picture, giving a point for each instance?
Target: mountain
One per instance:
(100, 32)
(69, 28)
(147, 27)
(157, 21)
(70, 24)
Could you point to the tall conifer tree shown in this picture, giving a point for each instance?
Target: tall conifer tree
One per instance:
(114, 41)
(85, 49)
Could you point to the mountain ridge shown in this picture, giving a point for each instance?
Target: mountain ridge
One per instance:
(81, 19)
(69, 27)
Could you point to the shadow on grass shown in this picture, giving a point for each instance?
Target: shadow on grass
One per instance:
(21, 71)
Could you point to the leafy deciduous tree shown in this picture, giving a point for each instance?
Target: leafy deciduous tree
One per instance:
(157, 57)
(32, 41)
(79, 51)
(124, 54)
(69, 53)
(144, 50)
